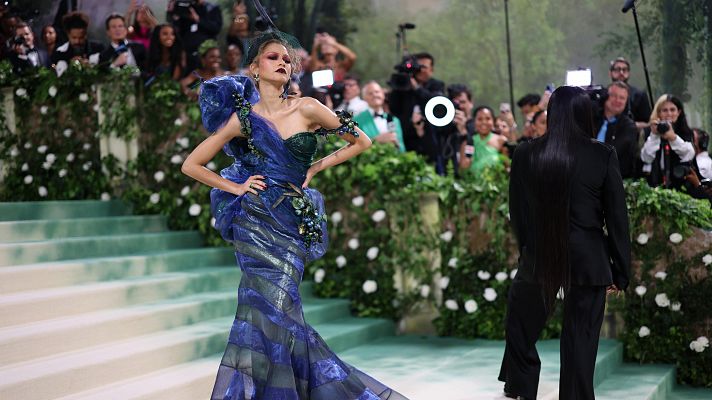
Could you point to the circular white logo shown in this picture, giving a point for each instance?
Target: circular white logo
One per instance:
(449, 111)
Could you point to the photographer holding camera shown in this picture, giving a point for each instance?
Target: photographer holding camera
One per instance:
(196, 21)
(413, 86)
(668, 150)
(77, 47)
(25, 55)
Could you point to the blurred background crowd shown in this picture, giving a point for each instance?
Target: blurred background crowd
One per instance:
(189, 41)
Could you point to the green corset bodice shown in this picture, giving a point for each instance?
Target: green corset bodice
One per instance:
(302, 145)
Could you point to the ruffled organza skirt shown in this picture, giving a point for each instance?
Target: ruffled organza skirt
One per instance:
(271, 352)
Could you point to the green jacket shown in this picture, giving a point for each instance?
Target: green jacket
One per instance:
(366, 123)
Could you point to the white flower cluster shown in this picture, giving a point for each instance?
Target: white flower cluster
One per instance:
(644, 331)
(642, 239)
(336, 217)
(357, 201)
(340, 261)
(700, 344)
(378, 216)
(675, 238)
(446, 236)
(490, 294)
(707, 259)
(369, 286)
(372, 253)
(319, 275)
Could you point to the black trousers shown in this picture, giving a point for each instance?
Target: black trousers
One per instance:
(526, 317)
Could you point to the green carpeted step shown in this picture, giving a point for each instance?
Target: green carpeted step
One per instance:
(19, 211)
(43, 229)
(38, 305)
(73, 272)
(193, 379)
(638, 382)
(95, 246)
(689, 393)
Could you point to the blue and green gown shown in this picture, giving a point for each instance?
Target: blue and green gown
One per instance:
(272, 353)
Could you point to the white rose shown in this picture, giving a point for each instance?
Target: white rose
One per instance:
(501, 276)
(21, 92)
(86, 166)
(28, 179)
(14, 152)
(675, 238)
(105, 196)
(451, 305)
(444, 282)
(52, 91)
(211, 166)
(86, 146)
(194, 210)
(662, 300)
(470, 306)
(176, 159)
(340, 261)
(661, 275)
(452, 263)
(458, 188)
(697, 346)
(707, 259)
(675, 306)
(490, 294)
(62, 173)
(46, 165)
(369, 286)
(178, 122)
(353, 244)
(703, 339)
(185, 190)
(446, 236)
(642, 238)
(336, 217)
(70, 157)
(42, 191)
(95, 108)
(424, 291)
(154, 198)
(319, 275)
(42, 149)
(378, 216)
(179, 201)
(51, 158)
(183, 142)
(213, 221)
(643, 331)
(83, 97)
(372, 253)
(641, 290)
(43, 110)
(159, 176)
(25, 167)
(483, 275)
(357, 201)
(513, 273)
(28, 145)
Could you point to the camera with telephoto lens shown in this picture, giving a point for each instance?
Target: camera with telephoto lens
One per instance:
(681, 170)
(336, 92)
(18, 41)
(182, 7)
(662, 127)
(407, 69)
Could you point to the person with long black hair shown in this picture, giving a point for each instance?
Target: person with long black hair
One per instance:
(166, 55)
(565, 187)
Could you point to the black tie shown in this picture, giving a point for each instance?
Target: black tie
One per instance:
(377, 115)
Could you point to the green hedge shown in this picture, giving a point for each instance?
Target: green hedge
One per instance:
(379, 237)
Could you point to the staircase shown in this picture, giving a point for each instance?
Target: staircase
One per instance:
(98, 304)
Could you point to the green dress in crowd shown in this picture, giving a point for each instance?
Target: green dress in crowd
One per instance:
(485, 155)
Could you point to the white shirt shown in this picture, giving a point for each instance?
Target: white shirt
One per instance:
(704, 162)
(355, 106)
(683, 149)
(380, 122)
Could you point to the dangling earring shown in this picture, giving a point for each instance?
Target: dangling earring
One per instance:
(257, 78)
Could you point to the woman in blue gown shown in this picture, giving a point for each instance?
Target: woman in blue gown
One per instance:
(262, 205)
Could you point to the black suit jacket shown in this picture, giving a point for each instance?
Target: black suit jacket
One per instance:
(65, 52)
(107, 56)
(623, 136)
(24, 65)
(597, 199)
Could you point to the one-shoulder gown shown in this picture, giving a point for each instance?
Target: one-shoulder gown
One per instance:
(272, 353)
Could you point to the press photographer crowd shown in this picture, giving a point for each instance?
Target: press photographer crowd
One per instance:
(654, 144)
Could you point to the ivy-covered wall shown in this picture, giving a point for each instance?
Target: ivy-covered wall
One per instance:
(402, 239)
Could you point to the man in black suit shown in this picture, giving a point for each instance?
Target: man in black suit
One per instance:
(121, 52)
(25, 55)
(638, 106)
(77, 47)
(423, 87)
(614, 127)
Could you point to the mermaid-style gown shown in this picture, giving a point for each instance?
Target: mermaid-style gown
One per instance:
(271, 352)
